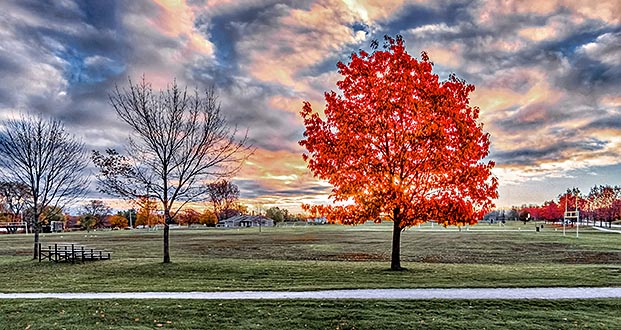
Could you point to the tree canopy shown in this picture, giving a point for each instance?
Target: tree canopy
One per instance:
(398, 143)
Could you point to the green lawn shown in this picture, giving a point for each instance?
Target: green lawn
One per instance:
(313, 258)
(310, 314)
(316, 257)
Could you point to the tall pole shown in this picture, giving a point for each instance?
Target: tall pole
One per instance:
(565, 215)
(577, 216)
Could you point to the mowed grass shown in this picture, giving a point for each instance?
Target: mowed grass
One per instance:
(310, 314)
(318, 257)
(312, 258)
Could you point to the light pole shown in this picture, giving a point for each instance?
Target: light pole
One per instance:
(577, 217)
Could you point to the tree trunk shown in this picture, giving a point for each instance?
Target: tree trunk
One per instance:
(166, 250)
(395, 261)
(35, 254)
(167, 222)
(36, 228)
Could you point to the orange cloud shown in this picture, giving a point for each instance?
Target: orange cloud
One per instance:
(373, 10)
(279, 173)
(604, 10)
(303, 38)
(539, 33)
(446, 55)
(286, 103)
(498, 94)
(307, 37)
(176, 19)
(277, 169)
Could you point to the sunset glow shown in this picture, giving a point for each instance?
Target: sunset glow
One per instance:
(547, 76)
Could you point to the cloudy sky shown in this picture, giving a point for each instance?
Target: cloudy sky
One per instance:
(547, 73)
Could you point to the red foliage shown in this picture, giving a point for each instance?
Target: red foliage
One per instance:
(551, 211)
(603, 203)
(398, 143)
(188, 217)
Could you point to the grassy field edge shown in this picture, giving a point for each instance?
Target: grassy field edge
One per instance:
(286, 275)
(310, 314)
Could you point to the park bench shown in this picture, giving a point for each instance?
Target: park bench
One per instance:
(71, 253)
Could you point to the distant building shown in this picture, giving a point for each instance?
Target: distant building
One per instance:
(57, 226)
(241, 221)
(319, 220)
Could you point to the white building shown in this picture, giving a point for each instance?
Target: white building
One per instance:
(240, 221)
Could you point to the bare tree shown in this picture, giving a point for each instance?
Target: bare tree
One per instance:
(39, 153)
(14, 196)
(223, 195)
(179, 141)
(99, 211)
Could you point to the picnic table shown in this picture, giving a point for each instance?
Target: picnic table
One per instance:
(71, 252)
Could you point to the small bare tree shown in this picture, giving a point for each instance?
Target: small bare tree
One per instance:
(99, 211)
(40, 154)
(179, 141)
(14, 196)
(223, 195)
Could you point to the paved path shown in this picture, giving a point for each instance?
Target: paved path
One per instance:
(470, 293)
(608, 230)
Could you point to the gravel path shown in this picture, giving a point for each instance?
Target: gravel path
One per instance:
(470, 293)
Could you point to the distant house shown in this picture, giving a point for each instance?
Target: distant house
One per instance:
(319, 220)
(240, 221)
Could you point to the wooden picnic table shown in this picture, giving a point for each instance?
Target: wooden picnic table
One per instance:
(71, 252)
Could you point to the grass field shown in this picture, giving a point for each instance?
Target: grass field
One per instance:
(312, 258)
(310, 314)
(317, 257)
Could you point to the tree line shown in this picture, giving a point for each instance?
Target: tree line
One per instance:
(222, 203)
(601, 205)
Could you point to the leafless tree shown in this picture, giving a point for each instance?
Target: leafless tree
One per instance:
(179, 141)
(223, 195)
(40, 154)
(14, 196)
(99, 211)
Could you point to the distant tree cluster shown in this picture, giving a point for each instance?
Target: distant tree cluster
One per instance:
(95, 215)
(283, 215)
(502, 215)
(602, 204)
(190, 216)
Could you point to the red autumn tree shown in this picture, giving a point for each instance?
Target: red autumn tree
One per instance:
(400, 144)
(550, 211)
(188, 217)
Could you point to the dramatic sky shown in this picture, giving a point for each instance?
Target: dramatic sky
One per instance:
(547, 73)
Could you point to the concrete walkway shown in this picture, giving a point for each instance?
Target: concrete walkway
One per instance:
(470, 293)
(607, 230)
